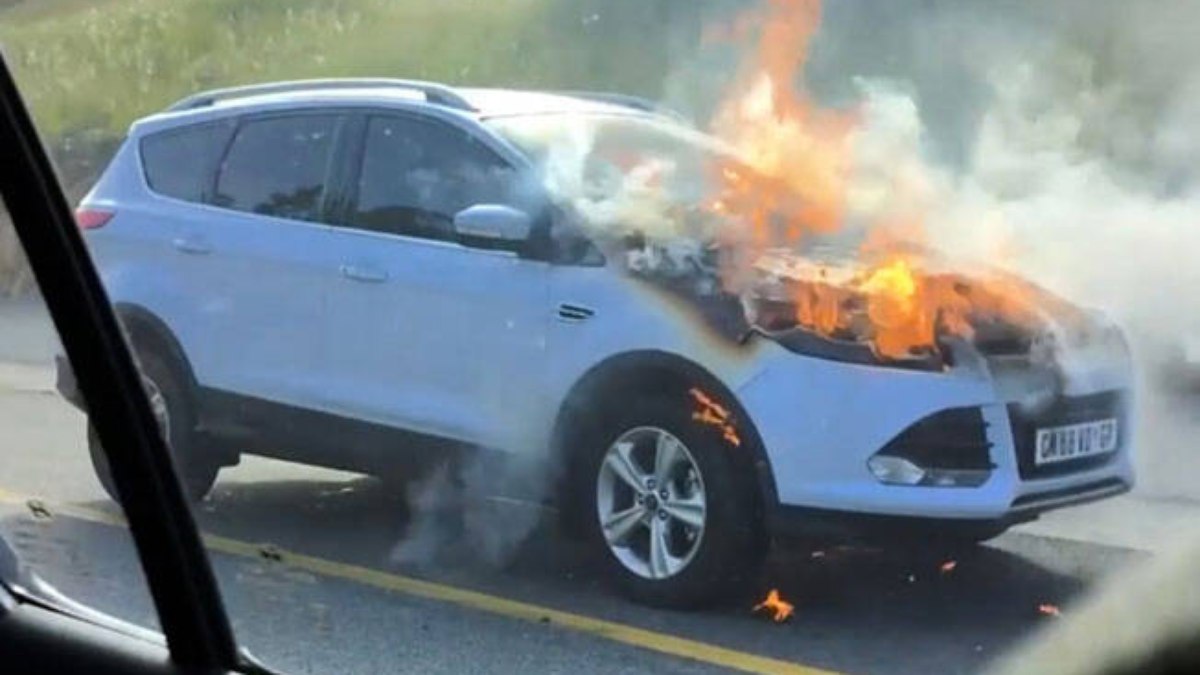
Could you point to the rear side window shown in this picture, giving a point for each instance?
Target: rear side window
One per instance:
(277, 166)
(179, 163)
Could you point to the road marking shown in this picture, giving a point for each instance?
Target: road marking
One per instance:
(617, 632)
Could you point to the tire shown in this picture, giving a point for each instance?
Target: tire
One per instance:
(703, 565)
(197, 473)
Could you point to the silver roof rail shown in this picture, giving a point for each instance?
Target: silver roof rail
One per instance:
(438, 94)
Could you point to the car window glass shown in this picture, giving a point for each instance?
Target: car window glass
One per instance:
(416, 175)
(179, 162)
(277, 166)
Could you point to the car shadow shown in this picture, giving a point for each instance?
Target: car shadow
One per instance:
(970, 603)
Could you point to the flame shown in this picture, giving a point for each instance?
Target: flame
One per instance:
(793, 172)
(948, 566)
(716, 415)
(798, 151)
(781, 610)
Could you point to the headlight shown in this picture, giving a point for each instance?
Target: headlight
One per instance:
(776, 319)
(808, 343)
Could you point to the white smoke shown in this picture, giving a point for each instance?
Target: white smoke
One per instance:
(1055, 186)
(1079, 169)
(471, 511)
(1056, 137)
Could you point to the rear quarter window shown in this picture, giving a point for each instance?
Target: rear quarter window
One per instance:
(180, 162)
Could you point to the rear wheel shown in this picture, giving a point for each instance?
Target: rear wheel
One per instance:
(667, 507)
(172, 410)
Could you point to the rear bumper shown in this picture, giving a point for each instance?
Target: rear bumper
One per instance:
(850, 526)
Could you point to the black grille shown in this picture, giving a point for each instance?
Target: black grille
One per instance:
(1065, 410)
(953, 439)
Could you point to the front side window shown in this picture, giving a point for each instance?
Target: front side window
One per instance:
(277, 166)
(179, 162)
(416, 175)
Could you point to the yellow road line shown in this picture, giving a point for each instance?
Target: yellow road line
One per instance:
(610, 630)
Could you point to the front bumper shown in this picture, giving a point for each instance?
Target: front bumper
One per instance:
(872, 528)
(821, 421)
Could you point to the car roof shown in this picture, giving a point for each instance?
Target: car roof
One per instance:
(474, 102)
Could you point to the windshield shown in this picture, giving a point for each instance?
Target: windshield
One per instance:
(580, 335)
(621, 141)
(622, 173)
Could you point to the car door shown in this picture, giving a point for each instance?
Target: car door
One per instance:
(428, 333)
(262, 263)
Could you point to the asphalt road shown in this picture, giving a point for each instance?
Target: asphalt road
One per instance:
(325, 571)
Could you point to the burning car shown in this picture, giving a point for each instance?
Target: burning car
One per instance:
(830, 393)
(367, 274)
(701, 394)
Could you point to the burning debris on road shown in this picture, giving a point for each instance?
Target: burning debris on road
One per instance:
(780, 609)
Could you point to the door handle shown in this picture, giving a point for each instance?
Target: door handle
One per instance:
(367, 274)
(190, 245)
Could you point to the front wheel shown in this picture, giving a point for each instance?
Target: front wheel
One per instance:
(671, 513)
(168, 402)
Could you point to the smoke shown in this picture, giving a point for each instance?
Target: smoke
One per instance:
(1054, 138)
(472, 510)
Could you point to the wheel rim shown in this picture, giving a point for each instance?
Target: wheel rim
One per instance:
(158, 406)
(651, 519)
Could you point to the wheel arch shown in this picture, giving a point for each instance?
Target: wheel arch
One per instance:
(658, 372)
(146, 331)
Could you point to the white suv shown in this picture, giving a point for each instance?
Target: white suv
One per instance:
(364, 274)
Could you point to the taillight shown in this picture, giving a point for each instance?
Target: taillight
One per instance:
(90, 219)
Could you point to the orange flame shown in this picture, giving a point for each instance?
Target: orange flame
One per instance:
(714, 414)
(798, 150)
(791, 180)
(781, 610)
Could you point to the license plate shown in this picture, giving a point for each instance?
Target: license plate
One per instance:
(1072, 441)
